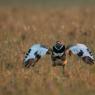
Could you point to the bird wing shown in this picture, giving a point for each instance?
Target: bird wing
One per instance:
(72, 49)
(80, 50)
(36, 50)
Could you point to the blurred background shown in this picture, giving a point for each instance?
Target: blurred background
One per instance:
(45, 3)
(25, 22)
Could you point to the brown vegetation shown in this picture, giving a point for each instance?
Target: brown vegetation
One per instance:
(20, 28)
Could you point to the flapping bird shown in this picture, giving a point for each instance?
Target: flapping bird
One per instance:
(58, 53)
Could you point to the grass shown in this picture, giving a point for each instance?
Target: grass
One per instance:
(20, 28)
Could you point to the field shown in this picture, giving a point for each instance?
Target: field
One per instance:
(22, 27)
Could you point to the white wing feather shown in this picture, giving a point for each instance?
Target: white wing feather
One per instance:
(36, 48)
(75, 49)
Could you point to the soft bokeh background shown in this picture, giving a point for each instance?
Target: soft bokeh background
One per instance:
(46, 3)
(25, 22)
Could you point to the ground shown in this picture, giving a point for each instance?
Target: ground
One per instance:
(22, 27)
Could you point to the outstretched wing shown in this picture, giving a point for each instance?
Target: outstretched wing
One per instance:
(81, 51)
(34, 53)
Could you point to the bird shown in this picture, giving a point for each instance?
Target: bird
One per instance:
(82, 51)
(58, 55)
(58, 52)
